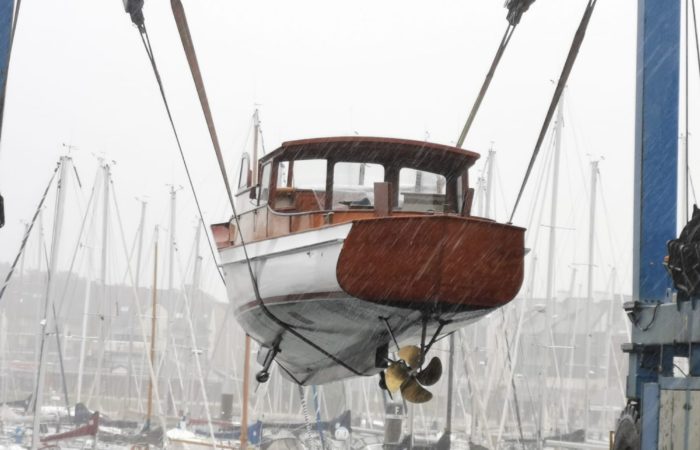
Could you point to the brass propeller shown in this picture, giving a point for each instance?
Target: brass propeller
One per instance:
(395, 376)
(431, 373)
(411, 355)
(405, 375)
(413, 392)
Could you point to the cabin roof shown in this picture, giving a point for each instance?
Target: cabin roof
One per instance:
(390, 152)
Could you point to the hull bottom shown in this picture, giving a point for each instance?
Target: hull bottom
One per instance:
(330, 336)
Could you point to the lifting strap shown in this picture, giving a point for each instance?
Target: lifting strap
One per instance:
(516, 9)
(487, 82)
(563, 79)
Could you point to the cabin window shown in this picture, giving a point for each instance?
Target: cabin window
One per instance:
(301, 185)
(421, 191)
(244, 174)
(353, 184)
(264, 184)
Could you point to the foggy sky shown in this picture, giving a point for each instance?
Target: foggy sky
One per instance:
(399, 68)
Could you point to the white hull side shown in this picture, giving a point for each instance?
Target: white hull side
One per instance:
(333, 335)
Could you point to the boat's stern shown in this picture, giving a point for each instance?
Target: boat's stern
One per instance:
(442, 263)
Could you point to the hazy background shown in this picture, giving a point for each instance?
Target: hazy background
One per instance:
(400, 68)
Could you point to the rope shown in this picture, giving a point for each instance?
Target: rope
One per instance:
(28, 232)
(487, 82)
(563, 78)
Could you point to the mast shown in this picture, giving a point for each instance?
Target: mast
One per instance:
(246, 393)
(152, 355)
(83, 341)
(589, 297)
(88, 244)
(256, 131)
(194, 295)
(48, 313)
(105, 308)
(572, 348)
(39, 317)
(489, 181)
(142, 222)
(170, 337)
(549, 306)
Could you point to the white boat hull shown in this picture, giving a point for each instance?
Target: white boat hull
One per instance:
(321, 331)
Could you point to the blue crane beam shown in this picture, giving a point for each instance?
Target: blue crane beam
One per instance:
(656, 155)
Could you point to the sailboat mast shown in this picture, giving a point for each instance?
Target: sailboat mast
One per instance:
(256, 131)
(105, 308)
(83, 341)
(589, 297)
(152, 353)
(549, 311)
(194, 294)
(489, 182)
(136, 286)
(48, 315)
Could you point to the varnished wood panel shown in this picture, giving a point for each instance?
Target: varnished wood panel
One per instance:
(437, 261)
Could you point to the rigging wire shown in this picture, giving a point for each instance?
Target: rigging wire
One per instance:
(137, 302)
(78, 245)
(28, 231)
(563, 78)
(149, 50)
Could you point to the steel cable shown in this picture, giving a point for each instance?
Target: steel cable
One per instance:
(563, 78)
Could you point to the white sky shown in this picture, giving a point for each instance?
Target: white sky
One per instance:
(397, 68)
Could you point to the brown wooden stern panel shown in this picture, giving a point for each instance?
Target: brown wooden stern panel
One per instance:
(435, 263)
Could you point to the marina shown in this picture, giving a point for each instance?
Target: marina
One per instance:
(292, 226)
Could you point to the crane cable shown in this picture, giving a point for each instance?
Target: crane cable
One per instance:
(516, 9)
(134, 8)
(563, 79)
(143, 33)
(487, 82)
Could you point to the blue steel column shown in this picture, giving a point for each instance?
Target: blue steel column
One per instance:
(6, 13)
(656, 154)
(655, 189)
(6, 17)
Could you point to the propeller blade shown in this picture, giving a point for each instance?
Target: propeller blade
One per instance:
(414, 392)
(431, 373)
(396, 374)
(411, 355)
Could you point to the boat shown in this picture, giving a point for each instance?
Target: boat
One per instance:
(327, 272)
